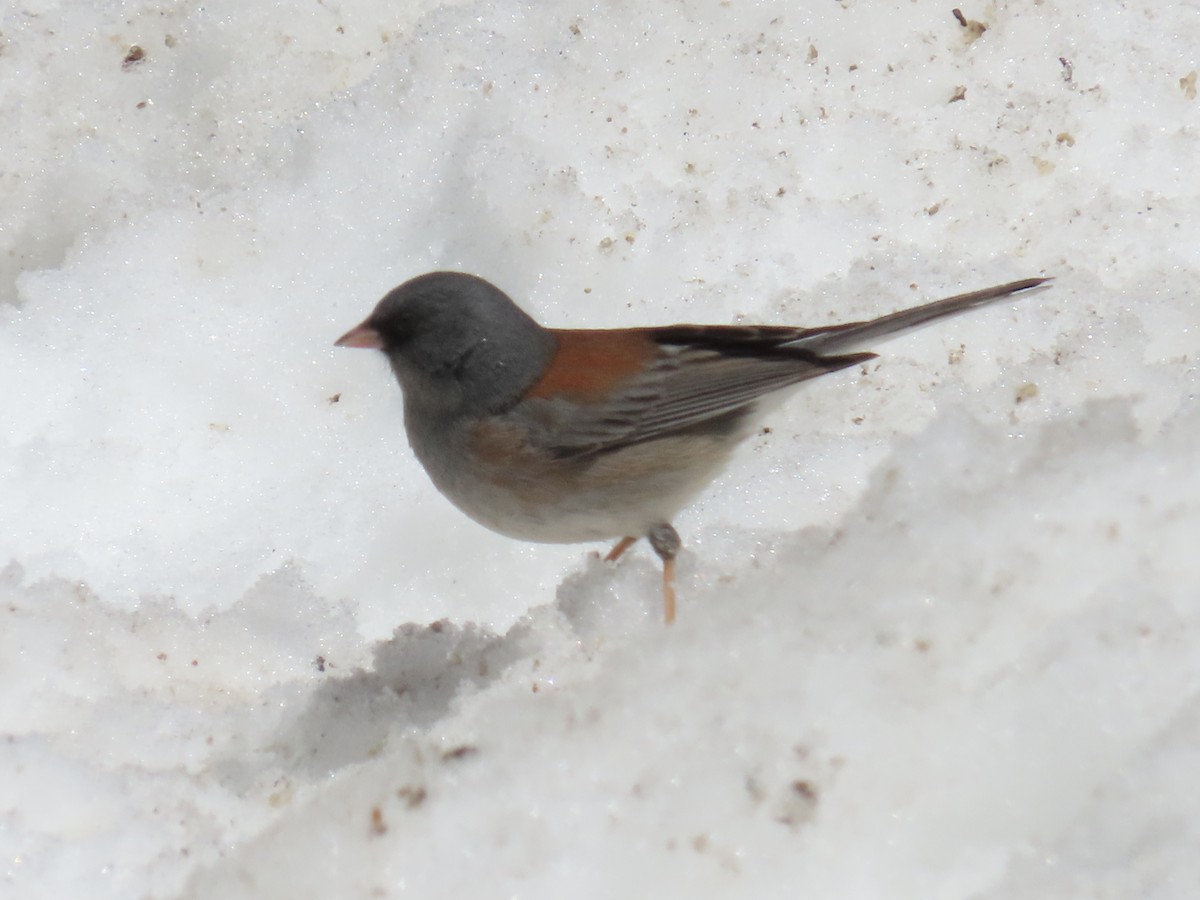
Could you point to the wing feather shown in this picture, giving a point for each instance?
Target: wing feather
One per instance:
(687, 387)
(693, 378)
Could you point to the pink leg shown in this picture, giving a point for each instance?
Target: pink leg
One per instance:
(665, 541)
(668, 591)
(622, 545)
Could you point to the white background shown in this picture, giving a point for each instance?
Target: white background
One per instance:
(938, 626)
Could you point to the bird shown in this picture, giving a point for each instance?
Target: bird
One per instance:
(558, 435)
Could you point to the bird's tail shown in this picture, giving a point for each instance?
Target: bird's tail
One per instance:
(858, 335)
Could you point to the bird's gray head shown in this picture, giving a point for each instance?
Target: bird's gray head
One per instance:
(457, 343)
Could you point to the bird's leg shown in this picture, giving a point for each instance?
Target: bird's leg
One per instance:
(665, 541)
(622, 545)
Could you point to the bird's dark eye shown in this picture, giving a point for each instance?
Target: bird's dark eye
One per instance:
(394, 332)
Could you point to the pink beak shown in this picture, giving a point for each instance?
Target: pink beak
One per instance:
(362, 336)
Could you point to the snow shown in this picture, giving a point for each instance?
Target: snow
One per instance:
(938, 624)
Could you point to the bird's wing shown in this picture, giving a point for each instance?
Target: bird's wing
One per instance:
(683, 379)
(610, 389)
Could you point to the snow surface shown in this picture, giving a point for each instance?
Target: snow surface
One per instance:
(938, 625)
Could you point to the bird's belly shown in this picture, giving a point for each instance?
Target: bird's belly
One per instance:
(533, 496)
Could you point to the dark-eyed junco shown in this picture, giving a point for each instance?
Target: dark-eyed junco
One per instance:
(562, 436)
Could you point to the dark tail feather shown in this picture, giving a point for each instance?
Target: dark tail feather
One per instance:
(853, 335)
